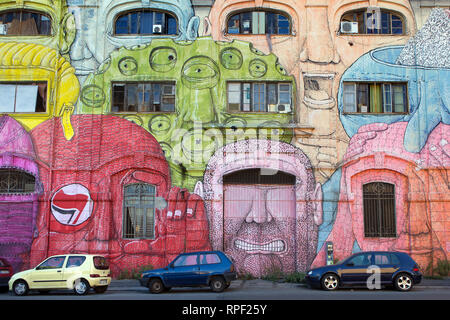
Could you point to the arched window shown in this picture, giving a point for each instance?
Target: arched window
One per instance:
(139, 211)
(368, 21)
(379, 209)
(145, 22)
(14, 181)
(259, 22)
(25, 23)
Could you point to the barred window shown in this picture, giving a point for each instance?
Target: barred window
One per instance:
(139, 211)
(16, 181)
(259, 22)
(146, 22)
(379, 209)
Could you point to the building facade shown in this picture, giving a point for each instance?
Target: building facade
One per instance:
(274, 131)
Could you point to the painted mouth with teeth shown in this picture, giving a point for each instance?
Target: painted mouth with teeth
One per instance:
(275, 246)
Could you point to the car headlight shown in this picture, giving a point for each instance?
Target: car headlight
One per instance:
(309, 273)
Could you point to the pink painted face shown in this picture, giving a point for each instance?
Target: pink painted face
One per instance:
(259, 223)
(269, 225)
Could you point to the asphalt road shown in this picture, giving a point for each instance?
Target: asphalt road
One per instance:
(242, 290)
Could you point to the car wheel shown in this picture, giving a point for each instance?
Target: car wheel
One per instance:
(81, 287)
(156, 286)
(217, 284)
(403, 282)
(20, 288)
(330, 282)
(101, 289)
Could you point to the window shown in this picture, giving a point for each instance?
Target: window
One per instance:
(373, 22)
(23, 97)
(24, 23)
(259, 97)
(364, 259)
(379, 209)
(375, 97)
(186, 260)
(16, 181)
(52, 263)
(259, 22)
(101, 263)
(209, 258)
(143, 97)
(75, 261)
(139, 211)
(146, 22)
(382, 258)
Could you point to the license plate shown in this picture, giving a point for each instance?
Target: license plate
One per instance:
(103, 281)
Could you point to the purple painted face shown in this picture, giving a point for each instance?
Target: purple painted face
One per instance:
(259, 221)
(19, 191)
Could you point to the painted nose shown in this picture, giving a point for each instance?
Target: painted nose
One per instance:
(259, 212)
(319, 47)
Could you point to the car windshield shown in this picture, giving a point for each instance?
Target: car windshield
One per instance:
(101, 263)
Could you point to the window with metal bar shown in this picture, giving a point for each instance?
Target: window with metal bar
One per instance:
(259, 22)
(379, 209)
(139, 211)
(16, 181)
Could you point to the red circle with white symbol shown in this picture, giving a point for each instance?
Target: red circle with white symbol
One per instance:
(72, 205)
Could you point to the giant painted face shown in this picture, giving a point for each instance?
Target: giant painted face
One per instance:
(98, 36)
(182, 93)
(425, 73)
(110, 193)
(20, 189)
(270, 222)
(408, 185)
(318, 55)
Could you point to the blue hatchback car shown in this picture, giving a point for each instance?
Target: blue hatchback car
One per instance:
(371, 269)
(193, 269)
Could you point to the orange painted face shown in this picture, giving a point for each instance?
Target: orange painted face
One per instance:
(316, 52)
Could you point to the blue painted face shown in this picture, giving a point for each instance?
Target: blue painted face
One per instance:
(97, 36)
(428, 92)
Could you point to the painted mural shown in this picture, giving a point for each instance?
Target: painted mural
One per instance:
(193, 117)
(287, 126)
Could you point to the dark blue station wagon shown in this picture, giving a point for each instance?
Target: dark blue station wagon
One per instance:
(396, 269)
(193, 269)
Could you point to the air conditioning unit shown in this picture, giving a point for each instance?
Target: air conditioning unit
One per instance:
(168, 89)
(349, 27)
(283, 108)
(157, 28)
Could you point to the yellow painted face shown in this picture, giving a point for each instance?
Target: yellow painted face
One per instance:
(42, 73)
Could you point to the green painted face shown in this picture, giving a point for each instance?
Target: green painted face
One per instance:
(218, 92)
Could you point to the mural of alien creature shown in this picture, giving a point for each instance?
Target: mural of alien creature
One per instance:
(108, 191)
(410, 89)
(308, 39)
(111, 24)
(36, 84)
(194, 96)
(20, 188)
(412, 188)
(44, 22)
(264, 206)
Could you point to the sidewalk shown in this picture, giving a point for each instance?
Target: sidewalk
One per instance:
(133, 285)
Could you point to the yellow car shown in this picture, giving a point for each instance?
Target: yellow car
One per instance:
(79, 272)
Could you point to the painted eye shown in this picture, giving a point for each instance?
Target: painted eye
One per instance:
(280, 69)
(92, 96)
(200, 73)
(257, 68)
(163, 59)
(231, 58)
(159, 125)
(128, 66)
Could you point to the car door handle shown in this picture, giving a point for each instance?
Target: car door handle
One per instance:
(58, 271)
